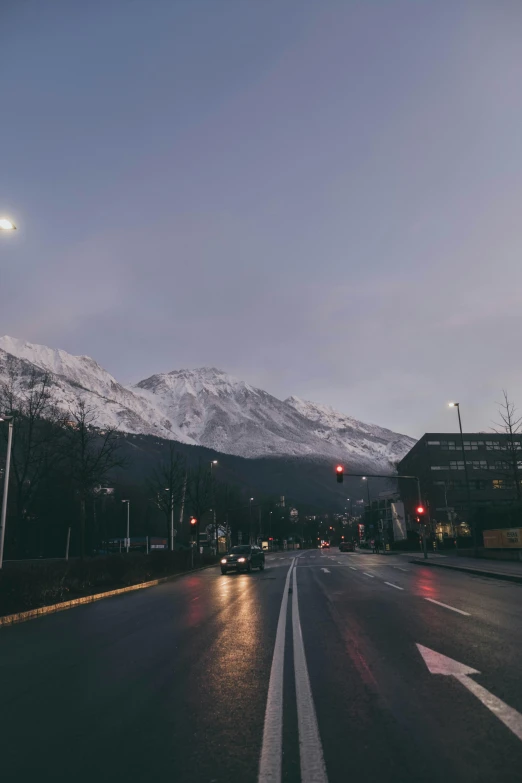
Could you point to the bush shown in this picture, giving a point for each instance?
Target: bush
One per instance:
(26, 586)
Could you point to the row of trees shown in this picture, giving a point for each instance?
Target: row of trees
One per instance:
(67, 472)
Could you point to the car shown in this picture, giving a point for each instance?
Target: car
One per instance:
(347, 546)
(243, 558)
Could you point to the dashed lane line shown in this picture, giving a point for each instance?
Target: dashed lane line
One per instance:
(447, 606)
(390, 584)
(372, 576)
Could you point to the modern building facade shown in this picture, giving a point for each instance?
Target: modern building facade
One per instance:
(458, 476)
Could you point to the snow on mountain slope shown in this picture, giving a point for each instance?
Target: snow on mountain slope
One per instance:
(209, 408)
(352, 434)
(74, 377)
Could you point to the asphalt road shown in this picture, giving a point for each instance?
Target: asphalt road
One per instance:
(307, 671)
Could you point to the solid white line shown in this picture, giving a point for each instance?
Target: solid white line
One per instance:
(447, 606)
(313, 769)
(509, 717)
(370, 575)
(272, 748)
(392, 585)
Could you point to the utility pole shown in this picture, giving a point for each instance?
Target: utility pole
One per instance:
(466, 475)
(3, 516)
(127, 540)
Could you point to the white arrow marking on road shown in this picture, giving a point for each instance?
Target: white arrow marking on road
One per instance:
(325, 570)
(441, 664)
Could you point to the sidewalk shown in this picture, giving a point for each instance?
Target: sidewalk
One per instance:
(510, 571)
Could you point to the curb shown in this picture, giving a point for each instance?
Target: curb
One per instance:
(31, 614)
(475, 571)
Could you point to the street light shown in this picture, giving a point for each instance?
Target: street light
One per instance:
(212, 463)
(7, 225)
(466, 475)
(127, 542)
(3, 516)
(169, 489)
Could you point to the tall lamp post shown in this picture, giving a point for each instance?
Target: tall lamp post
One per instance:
(212, 463)
(3, 517)
(250, 518)
(127, 540)
(171, 504)
(466, 474)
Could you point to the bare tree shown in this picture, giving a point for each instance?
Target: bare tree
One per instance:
(36, 437)
(166, 485)
(90, 455)
(510, 453)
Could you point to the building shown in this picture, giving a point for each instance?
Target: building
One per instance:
(441, 461)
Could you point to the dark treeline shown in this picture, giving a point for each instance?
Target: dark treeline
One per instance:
(67, 472)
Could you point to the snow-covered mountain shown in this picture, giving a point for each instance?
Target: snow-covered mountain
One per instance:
(207, 407)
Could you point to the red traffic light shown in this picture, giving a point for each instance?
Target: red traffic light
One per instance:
(339, 470)
(193, 521)
(420, 509)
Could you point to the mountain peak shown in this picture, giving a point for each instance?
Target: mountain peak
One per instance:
(208, 407)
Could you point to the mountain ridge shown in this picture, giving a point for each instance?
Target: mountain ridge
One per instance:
(208, 407)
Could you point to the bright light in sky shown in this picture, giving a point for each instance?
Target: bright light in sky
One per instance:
(6, 224)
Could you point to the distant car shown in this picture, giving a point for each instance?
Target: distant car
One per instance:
(325, 545)
(347, 546)
(243, 558)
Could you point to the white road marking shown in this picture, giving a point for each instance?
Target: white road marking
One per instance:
(326, 570)
(401, 569)
(390, 584)
(441, 664)
(447, 606)
(353, 569)
(313, 769)
(370, 575)
(272, 748)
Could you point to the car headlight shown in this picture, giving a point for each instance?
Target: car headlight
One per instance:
(241, 559)
(224, 560)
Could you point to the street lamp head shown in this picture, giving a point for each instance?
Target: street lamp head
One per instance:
(6, 225)
(4, 417)
(214, 462)
(124, 501)
(453, 404)
(363, 478)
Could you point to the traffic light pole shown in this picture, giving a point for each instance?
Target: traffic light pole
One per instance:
(341, 474)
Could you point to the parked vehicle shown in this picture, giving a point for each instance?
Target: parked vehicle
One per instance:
(347, 546)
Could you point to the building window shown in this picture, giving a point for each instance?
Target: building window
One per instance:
(434, 443)
(456, 464)
(499, 484)
(492, 445)
(478, 464)
(470, 445)
(439, 467)
(447, 445)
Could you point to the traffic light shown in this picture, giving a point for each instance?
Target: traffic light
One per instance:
(420, 513)
(340, 474)
(193, 521)
(420, 509)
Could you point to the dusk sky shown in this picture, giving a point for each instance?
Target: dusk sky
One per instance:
(322, 198)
